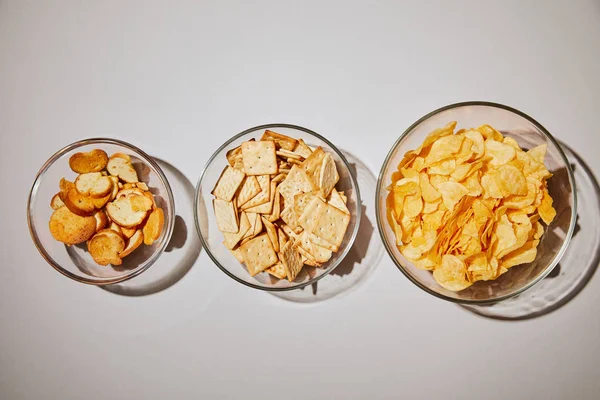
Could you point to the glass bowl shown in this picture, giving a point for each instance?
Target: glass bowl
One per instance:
(212, 238)
(75, 261)
(528, 133)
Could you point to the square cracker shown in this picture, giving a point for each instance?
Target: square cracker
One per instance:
(263, 196)
(302, 149)
(295, 183)
(289, 217)
(291, 234)
(321, 242)
(281, 238)
(266, 208)
(238, 255)
(232, 239)
(276, 212)
(259, 158)
(336, 200)
(252, 217)
(247, 190)
(282, 141)
(331, 225)
(272, 233)
(289, 155)
(311, 213)
(328, 175)
(301, 200)
(277, 270)
(312, 165)
(291, 260)
(321, 254)
(226, 216)
(258, 254)
(228, 183)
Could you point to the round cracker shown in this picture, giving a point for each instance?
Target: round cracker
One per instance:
(70, 228)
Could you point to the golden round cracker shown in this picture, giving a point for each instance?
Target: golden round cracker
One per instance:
(70, 228)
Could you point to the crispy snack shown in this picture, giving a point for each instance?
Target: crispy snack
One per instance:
(121, 167)
(132, 243)
(259, 158)
(277, 206)
(56, 202)
(108, 208)
(92, 161)
(106, 246)
(153, 226)
(71, 228)
(93, 184)
(466, 205)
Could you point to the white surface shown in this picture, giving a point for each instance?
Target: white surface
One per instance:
(177, 79)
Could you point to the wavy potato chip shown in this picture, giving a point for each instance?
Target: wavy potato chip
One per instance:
(466, 205)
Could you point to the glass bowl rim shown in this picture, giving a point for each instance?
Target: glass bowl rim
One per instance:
(352, 237)
(39, 176)
(572, 221)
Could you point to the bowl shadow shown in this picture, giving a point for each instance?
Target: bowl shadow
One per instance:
(576, 267)
(182, 250)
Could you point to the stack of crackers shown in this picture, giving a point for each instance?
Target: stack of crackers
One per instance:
(277, 206)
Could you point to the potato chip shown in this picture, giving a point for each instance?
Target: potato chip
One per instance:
(511, 180)
(525, 254)
(445, 167)
(478, 146)
(491, 188)
(413, 205)
(451, 193)
(490, 133)
(499, 152)
(451, 274)
(473, 211)
(444, 148)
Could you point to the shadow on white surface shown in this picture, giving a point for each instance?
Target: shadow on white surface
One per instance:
(575, 268)
(364, 256)
(181, 252)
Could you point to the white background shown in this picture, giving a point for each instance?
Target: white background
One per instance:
(179, 78)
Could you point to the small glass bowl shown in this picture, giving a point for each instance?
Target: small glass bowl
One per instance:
(528, 133)
(212, 238)
(75, 261)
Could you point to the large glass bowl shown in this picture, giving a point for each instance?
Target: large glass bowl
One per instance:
(212, 238)
(75, 261)
(528, 133)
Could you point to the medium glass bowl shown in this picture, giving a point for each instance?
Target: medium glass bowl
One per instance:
(75, 261)
(528, 133)
(212, 238)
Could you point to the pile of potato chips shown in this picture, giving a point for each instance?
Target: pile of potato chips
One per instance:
(467, 205)
(285, 188)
